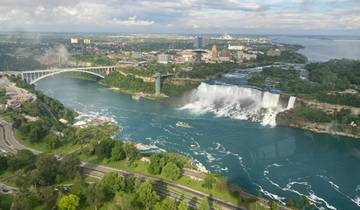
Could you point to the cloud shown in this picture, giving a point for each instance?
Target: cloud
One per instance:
(131, 21)
(179, 15)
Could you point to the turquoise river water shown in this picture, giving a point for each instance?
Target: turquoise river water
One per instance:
(278, 162)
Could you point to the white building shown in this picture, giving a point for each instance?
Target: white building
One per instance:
(74, 40)
(244, 56)
(163, 58)
(227, 37)
(87, 41)
(236, 48)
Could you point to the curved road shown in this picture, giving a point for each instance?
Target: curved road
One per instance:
(9, 144)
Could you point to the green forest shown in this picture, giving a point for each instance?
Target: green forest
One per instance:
(326, 81)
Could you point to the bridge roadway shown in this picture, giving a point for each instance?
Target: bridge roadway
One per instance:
(11, 145)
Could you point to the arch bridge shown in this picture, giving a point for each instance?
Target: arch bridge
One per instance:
(34, 76)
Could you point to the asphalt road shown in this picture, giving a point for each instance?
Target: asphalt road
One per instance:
(100, 170)
(10, 137)
(4, 147)
(5, 189)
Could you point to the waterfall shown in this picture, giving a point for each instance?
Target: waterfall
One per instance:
(236, 102)
(291, 102)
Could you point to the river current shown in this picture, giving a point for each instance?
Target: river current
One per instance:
(277, 162)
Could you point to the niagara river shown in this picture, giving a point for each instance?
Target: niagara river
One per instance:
(233, 136)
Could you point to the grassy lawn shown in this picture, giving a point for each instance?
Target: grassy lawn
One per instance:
(62, 150)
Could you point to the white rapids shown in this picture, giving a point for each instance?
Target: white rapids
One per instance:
(237, 102)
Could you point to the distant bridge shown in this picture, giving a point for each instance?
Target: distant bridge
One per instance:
(34, 76)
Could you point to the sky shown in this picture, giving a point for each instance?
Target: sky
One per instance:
(183, 16)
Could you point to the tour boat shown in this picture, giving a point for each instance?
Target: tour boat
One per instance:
(180, 124)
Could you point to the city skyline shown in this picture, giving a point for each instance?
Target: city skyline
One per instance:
(183, 16)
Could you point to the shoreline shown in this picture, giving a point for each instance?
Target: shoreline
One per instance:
(313, 127)
(140, 94)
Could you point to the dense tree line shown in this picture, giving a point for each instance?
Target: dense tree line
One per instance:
(45, 106)
(40, 179)
(287, 56)
(326, 81)
(342, 120)
(158, 45)
(169, 165)
(95, 60)
(150, 70)
(207, 71)
(128, 83)
(3, 96)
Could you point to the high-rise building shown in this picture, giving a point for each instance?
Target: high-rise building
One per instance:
(199, 42)
(214, 53)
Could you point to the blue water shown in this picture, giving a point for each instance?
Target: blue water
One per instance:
(323, 48)
(279, 162)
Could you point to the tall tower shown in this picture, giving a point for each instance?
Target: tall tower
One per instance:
(214, 53)
(199, 48)
(157, 83)
(199, 42)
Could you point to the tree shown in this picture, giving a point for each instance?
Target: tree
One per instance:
(21, 159)
(95, 195)
(118, 152)
(209, 180)
(35, 131)
(273, 205)
(3, 163)
(21, 202)
(103, 149)
(47, 195)
(183, 205)
(155, 164)
(126, 201)
(132, 153)
(79, 188)
(146, 195)
(52, 141)
(69, 202)
(69, 167)
(130, 184)
(47, 167)
(112, 183)
(171, 171)
(169, 204)
(204, 204)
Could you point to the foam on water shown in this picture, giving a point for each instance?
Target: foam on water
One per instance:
(312, 197)
(272, 195)
(236, 102)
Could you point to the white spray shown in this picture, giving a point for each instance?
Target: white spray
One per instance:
(237, 102)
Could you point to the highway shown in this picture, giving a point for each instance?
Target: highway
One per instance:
(11, 140)
(11, 145)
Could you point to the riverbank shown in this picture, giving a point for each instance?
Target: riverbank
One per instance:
(322, 118)
(93, 143)
(139, 95)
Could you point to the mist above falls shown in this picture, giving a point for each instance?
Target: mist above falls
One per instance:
(237, 102)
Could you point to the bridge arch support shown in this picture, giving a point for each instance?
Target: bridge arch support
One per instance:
(34, 76)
